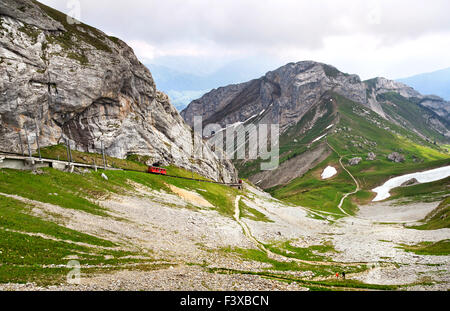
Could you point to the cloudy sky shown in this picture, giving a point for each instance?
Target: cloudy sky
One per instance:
(390, 38)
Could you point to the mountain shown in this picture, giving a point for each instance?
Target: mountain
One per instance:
(311, 101)
(183, 87)
(437, 83)
(72, 81)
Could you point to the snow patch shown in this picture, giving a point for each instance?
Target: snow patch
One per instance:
(422, 177)
(329, 172)
(319, 138)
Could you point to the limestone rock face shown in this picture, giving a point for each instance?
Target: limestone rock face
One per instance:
(383, 85)
(438, 105)
(72, 81)
(283, 95)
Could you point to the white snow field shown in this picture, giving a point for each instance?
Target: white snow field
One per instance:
(422, 177)
(329, 172)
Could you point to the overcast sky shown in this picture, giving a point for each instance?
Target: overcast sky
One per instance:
(390, 38)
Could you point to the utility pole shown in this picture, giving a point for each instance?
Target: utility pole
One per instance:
(67, 148)
(103, 156)
(28, 142)
(37, 139)
(70, 150)
(20, 142)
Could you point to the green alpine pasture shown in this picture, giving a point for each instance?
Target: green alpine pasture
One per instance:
(357, 132)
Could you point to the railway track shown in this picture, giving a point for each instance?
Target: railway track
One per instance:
(19, 156)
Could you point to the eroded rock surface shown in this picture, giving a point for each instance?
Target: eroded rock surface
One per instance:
(74, 82)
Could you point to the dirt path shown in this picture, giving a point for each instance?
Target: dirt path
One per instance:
(347, 194)
(245, 228)
(354, 179)
(269, 253)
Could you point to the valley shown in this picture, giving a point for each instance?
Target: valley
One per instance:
(156, 204)
(137, 232)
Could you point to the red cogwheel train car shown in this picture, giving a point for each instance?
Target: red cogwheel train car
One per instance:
(157, 170)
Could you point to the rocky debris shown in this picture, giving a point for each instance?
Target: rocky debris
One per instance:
(371, 156)
(396, 157)
(410, 182)
(75, 82)
(178, 278)
(190, 241)
(355, 161)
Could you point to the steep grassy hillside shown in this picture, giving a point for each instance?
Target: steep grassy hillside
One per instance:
(410, 114)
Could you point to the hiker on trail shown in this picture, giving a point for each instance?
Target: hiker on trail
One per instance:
(337, 275)
(343, 275)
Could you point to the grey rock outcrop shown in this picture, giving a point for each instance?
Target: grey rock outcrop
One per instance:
(410, 182)
(74, 82)
(396, 157)
(355, 161)
(371, 156)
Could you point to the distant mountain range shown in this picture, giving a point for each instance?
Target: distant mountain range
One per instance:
(436, 83)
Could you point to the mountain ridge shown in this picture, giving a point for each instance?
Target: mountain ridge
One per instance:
(435, 82)
(311, 100)
(313, 74)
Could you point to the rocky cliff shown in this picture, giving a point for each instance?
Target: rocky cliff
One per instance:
(286, 94)
(72, 81)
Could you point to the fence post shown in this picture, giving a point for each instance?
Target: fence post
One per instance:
(103, 156)
(70, 151)
(21, 145)
(37, 139)
(67, 148)
(28, 142)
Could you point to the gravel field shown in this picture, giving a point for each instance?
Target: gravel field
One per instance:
(167, 227)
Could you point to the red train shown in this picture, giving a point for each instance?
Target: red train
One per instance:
(157, 170)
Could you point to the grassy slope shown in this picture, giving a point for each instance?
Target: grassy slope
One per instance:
(411, 113)
(313, 192)
(438, 219)
(22, 256)
(23, 253)
(357, 134)
(441, 248)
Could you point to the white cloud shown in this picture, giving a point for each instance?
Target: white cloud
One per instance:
(375, 37)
